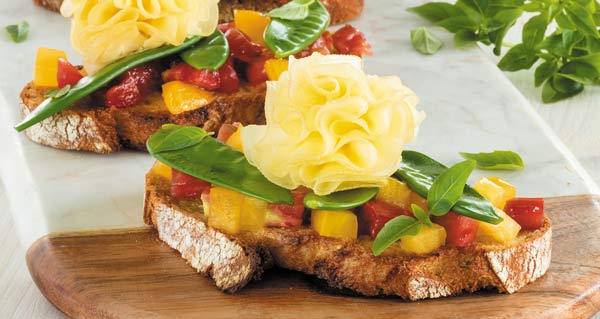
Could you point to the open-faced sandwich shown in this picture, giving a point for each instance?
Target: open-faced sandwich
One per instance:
(325, 188)
(151, 63)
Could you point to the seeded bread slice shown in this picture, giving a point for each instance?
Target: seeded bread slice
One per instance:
(232, 261)
(340, 10)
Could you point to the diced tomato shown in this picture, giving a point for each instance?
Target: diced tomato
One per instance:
(256, 73)
(460, 230)
(528, 212)
(206, 79)
(67, 74)
(323, 45)
(184, 185)
(124, 95)
(376, 213)
(241, 47)
(226, 131)
(283, 215)
(224, 27)
(348, 40)
(230, 82)
(136, 83)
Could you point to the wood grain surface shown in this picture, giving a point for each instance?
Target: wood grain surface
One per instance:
(132, 274)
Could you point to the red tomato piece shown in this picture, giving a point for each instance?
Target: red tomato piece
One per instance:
(323, 45)
(206, 79)
(376, 213)
(184, 185)
(230, 82)
(256, 73)
(136, 83)
(283, 215)
(460, 230)
(224, 27)
(348, 40)
(241, 47)
(67, 74)
(528, 212)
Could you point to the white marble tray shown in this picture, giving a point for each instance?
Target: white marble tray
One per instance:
(470, 106)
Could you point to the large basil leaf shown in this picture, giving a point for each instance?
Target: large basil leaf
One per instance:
(210, 53)
(448, 187)
(288, 37)
(419, 171)
(393, 230)
(496, 160)
(348, 199)
(192, 151)
(293, 10)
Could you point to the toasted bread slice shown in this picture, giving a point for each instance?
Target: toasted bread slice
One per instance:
(340, 10)
(89, 126)
(232, 261)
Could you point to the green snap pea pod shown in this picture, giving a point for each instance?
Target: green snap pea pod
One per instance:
(191, 150)
(91, 83)
(419, 171)
(348, 199)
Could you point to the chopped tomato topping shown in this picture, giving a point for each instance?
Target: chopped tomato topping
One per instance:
(136, 83)
(460, 230)
(527, 212)
(205, 79)
(323, 45)
(67, 74)
(376, 213)
(224, 27)
(230, 82)
(241, 47)
(348, 40)
(284, 215)
(184, 185)
(256, 72)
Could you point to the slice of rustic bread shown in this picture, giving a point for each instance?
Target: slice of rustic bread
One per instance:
(232, 261)
(92, 127)
(340, 10)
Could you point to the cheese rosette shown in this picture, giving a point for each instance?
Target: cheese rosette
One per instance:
(331, 127)
(103, 31)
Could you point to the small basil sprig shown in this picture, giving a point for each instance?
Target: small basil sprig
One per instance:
(286, 37)
(424, 41)
(419, 171)
(18, 32)
(210, 53)
(348, 199)
(393, 230)
(91, 83)
(192, 151)
(496, 160)
(294, 10)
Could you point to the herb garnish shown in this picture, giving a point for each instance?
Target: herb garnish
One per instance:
(56, 93)
(496, 160)
(424, 41)
(210, 53)
(294, 10)
(570, 55)
(18, 32)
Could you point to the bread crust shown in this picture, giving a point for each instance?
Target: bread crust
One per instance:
(341, 10)
(350, 264)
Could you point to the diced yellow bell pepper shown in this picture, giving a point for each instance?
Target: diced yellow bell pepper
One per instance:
(181, 97)
(274, 68)
(46, 67)
(427, 240)
(502, 233)
(416, 199)
(395, 192)
(161, 169)
(335, 223)
(251, 23)
(496, 190)
(233, 212)
(235, 140)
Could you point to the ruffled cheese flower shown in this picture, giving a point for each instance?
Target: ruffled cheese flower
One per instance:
(103, 31)
(331, 127)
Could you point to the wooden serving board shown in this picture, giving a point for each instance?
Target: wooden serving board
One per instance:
(132, 274)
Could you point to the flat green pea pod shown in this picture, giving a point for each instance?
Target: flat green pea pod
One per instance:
(191, 150)
(91, 83)
(348, 199)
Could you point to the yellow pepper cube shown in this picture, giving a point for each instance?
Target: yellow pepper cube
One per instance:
(496, 190)
(395, 192)
(275, 67)
(416, 199)
(335, 223)
(161, 169)
(225, 210)
(254, 213)
(502, 233)
(235, 140)
(426, 241)
(46, 67)
(251, 23)
(181, 97)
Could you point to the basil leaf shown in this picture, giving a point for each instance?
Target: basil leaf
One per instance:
(534, 30)
(56, 93)
(195, 154)
(580, 72)
(210, 53)
(545, 71)
(348, 199)
(518, 58)
(455, 24)
(424, 41)
(448, 187)
(419, 171)
(496, 160)
(551, 95)
(464, 38)
(436, 11)
(393, 230)
(288, 37)
(582, 18)
(294, 10)
(18, 32)
(421, 215)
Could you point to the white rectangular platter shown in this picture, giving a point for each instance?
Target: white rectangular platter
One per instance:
(470, 107)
